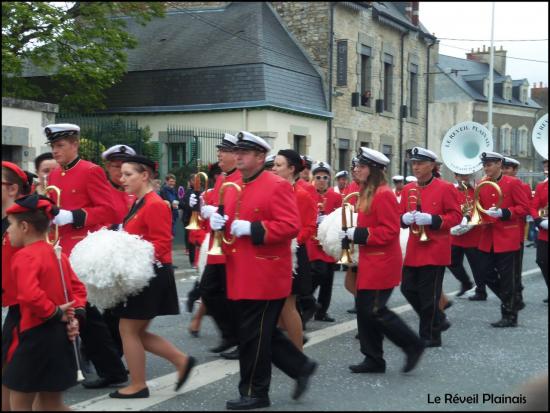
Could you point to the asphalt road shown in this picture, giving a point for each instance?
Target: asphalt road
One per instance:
(475, 359)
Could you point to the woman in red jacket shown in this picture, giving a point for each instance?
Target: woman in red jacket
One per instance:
(288, 165)
(150, 218)
(379, 267)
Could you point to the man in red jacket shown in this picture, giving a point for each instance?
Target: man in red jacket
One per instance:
(435, 210)
(86, 205)
(500, 237)
(264, 219)
(539, 212)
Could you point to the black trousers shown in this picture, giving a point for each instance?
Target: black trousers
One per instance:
(542, 258)
(502, 280)
(99, 345)
(375, 320)
(262, 343)
(518, 266)
(112, 322)
(457, 263)
(322, 274)
(213, 292)
(421, 286)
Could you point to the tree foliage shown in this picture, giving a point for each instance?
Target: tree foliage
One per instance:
(78, 49)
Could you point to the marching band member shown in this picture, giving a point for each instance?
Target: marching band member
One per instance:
(425, 261)
(342, 182)
(43, 165)
(322, 264)
(540, 203)
(288, 165)
(259, 277)
(500, 239)
(40, 359)
(269, 162)
(510, 167)
(304, 181)
(150, 218)
(379, 267)
(213, 284)
(398, 183)
(86, 205)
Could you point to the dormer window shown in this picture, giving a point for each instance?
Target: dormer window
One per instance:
(524, 93)
(507, 90)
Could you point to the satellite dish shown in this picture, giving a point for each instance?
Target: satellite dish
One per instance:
(462, 146)
(540, 136)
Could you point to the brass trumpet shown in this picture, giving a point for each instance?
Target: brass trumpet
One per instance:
(414, 204)
(219, 237)
(476, 215)
(347, 244)
(195, 215)
(57, 191)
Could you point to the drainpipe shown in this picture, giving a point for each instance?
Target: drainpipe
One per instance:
(329, 123)
(427, 92)
(400, 112)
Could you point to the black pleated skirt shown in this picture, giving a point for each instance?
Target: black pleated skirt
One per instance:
(9, 329)
(44, 360)
(160, 297)
(301, 279)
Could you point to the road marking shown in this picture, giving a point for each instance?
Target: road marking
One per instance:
(162, 388)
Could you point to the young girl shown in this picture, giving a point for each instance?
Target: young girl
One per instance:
(41, 358)
(151, 218)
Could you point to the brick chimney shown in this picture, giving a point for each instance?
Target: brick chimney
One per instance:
(415, 11)
(411, 10)
(484, 56)
(540, 94)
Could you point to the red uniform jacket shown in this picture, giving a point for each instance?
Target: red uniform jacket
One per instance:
(380, 260)
(84, 188)
(9, 294)
(522, 221)
(327, 202)
(471, 238)
(352, 187)
(38, 283)
(259, 267)
(308, 187)
(502, 234)
(213, 198)
(440, 199)
(152, 219)
(540, 200)
(122, 201)
(308, 215)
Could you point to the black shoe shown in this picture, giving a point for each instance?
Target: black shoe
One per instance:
(247, 403)
(464, 288)
(545, 300)
(445, 325)
(185, 375)
(194, 333)
(324, 317)
(520, 305)
(352, 311)
(448, 305)
(505, 322)
(432, 343)
(305, 339)
(231, 355)
(308, 313)
(303, 380)
(142, 394)
(478, 297)
(365, 367)
(357, 336)
(101, 382)
(224, 346)
(412, 357)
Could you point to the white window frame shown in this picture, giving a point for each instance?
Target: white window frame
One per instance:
(523, 141)
(505, 139)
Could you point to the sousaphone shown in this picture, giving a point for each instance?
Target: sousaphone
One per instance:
(462, 146)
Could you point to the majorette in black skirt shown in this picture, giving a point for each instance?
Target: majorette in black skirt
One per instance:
(9, 330)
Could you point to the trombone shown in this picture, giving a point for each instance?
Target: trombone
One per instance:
(347, 244)
(414, 204)
(476, 216)
(219, 237)
(195, 216)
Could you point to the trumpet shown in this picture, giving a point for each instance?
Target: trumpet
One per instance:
(195, 216)
(414, 204)
(476, 215)
(347, 244)
(219, 237)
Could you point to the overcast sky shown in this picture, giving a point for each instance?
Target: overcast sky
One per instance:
(514, 20)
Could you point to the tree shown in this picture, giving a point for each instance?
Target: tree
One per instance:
(78, 49)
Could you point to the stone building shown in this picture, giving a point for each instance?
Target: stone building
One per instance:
(461, 94)
(382, 58)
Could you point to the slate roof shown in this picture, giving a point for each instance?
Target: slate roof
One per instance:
(235, 57)
(470, 77)
(396, 12)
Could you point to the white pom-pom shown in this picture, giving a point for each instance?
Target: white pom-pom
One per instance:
(203, 254)
(403, 239)
(328, 231)
(293, 249)
(114, 265)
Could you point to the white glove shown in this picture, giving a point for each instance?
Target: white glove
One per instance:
(464, 222)
(193, 200)
(422, 218)
(63, 218)
(408, 217)
(544, 224)
(349, 232)
(240, 228)
(320, 219)
(494, 212)
(208, 210)
(217, 221)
